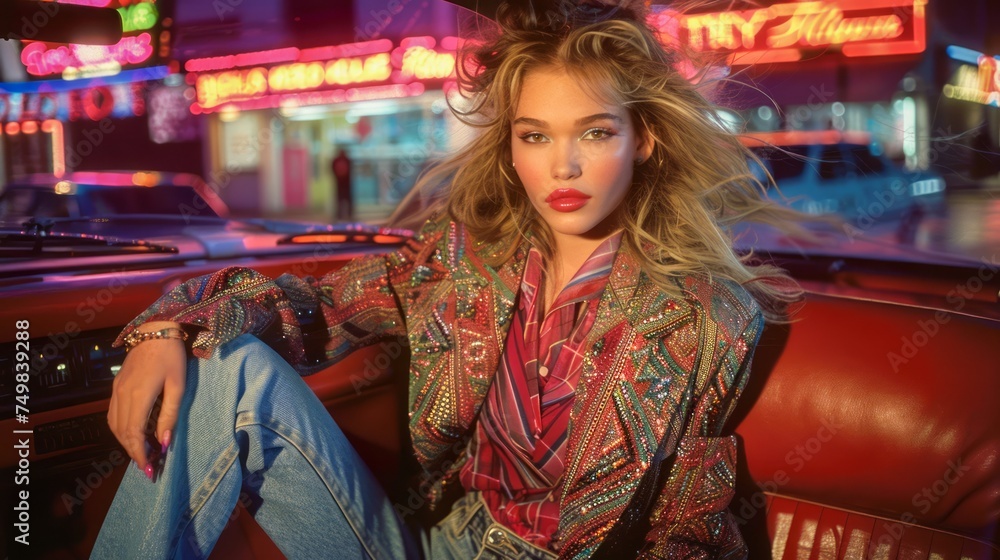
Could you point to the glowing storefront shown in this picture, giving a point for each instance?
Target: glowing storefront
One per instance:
(837, 64)
(278, 118)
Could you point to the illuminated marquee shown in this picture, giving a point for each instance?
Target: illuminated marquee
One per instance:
(784, 32)
(138, 46)
(368, 69)
(91, 103)
(979, 83)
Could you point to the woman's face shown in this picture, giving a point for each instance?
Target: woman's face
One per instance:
(573, 153)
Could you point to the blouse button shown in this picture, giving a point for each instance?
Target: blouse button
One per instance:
(543, 371)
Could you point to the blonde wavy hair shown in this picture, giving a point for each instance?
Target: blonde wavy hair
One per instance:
(679, 212)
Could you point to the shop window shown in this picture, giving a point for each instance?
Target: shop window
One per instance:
(242, 142)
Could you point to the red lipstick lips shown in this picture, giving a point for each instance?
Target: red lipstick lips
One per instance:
(566, 200)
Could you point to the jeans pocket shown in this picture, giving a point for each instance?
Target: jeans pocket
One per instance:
(461, 514)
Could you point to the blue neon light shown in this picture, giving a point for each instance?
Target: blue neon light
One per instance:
(965, 55)
(123, 77)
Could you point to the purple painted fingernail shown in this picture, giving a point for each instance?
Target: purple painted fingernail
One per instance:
(149, 471)
(166, 442)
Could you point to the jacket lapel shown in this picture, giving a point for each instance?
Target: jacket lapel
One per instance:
(626, 394)
(465, 324)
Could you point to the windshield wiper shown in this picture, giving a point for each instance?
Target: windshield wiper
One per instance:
(39, 243)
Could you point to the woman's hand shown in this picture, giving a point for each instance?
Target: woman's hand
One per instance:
(150, 368)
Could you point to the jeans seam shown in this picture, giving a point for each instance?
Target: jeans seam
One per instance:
(294, 438)
(198, 500)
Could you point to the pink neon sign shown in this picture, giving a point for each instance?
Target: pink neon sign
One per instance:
(92, 3)
(44, 59)
(139, 45)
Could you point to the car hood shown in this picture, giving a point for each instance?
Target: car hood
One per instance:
(144, 242)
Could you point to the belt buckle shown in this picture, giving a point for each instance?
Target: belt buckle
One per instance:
(496, 537)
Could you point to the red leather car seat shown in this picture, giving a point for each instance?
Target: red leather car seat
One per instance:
(872, 430)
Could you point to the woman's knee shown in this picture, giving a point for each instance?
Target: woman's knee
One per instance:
(245, 353)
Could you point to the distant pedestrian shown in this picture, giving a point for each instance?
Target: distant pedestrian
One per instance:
(341, 166)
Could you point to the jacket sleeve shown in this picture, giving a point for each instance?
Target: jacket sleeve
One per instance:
(691, 518)
(359, 304)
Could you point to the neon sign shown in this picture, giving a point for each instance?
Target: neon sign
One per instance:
(138, 17)
(414, 59)
(326, 97)
(91, 3)
(783, 32)
(426, 64)
(91, 103)
(139, 45)
(43, 59)
(979, 83)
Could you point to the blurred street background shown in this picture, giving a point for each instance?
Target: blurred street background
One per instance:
(258, 97)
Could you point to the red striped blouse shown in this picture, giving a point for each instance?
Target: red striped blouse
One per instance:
(516, 457)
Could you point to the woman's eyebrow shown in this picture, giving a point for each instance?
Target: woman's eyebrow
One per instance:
(599, 117)
(579, 122)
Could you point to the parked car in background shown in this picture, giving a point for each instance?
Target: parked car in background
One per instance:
(108, 193)
(834, 172)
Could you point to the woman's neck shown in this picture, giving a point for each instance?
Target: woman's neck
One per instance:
(569, 252)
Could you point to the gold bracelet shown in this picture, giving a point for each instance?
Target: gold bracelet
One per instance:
(135, 337)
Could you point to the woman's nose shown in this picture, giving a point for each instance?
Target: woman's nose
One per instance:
(565, 163)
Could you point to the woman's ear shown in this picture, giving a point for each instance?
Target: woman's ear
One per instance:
(644, 146)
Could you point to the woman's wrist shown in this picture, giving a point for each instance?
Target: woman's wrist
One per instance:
(157, 325)
(155, 330)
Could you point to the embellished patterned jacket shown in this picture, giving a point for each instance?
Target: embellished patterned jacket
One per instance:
(454, 310)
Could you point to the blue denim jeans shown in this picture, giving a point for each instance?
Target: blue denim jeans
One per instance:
(249, 423)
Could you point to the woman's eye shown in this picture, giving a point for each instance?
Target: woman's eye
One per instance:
(532, 137)
(598, 134)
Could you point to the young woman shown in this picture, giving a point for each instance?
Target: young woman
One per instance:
(576, 317)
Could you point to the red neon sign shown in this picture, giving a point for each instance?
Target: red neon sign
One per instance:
(783, 32)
